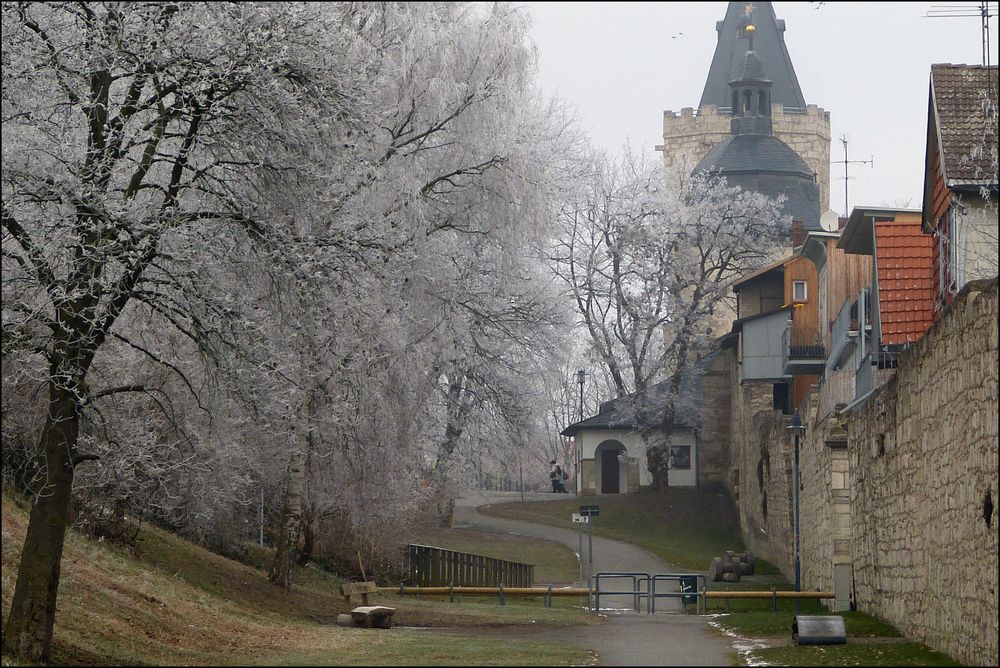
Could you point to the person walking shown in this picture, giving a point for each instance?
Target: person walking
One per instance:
(558, 478)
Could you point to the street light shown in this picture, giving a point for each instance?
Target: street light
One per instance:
(581, 376)
(797, 428)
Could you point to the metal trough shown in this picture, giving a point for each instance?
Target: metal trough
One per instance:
(819, 630)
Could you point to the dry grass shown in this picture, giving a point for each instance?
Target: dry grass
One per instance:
(177, 603)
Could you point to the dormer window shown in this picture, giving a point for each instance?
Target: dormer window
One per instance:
(800, 292)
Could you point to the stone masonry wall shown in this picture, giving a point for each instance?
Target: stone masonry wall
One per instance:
(824, 497)
(713, 444)
(923, 451)
(688, 136)
(761, 481)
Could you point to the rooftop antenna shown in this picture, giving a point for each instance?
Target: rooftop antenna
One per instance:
(845, 162)
(984, 10)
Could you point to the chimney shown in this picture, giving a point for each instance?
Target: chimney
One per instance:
(798, 233)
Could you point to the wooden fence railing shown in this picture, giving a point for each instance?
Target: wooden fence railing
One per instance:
(436, 566)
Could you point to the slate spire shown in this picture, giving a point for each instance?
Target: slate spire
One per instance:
(766, 40)
(750, 91)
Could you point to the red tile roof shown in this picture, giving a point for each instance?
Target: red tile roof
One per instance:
(905, 280)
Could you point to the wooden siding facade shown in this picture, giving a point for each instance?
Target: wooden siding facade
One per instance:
(805, 320)
(937, 216)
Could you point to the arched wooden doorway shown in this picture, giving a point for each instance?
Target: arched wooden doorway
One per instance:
(611, 457)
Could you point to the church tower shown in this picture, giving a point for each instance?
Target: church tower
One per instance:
(751, 29)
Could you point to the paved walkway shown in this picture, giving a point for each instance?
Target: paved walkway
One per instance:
(627, 638)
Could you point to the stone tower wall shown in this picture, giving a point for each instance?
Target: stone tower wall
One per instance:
(688, 136)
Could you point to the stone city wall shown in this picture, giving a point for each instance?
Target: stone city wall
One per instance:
(761, 480)
(713, 441)
(923, 452)
(824, 496)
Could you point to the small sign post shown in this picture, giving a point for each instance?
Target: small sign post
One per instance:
(579, 519)
(586, 513)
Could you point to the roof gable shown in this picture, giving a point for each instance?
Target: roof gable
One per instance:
(957, 101)
(624, 412)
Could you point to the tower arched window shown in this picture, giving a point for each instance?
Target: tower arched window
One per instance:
(762, 104)
(747, 101)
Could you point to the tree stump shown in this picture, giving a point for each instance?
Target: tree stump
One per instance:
(715, 570)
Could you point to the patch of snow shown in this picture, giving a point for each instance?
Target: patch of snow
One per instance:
(744, 647)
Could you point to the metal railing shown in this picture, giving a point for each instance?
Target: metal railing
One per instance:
(636, 592)
(696, 593)
(887, 359)
(773, 595)
(688, 590)
(428, 566)
(791, 351)
(547, 592)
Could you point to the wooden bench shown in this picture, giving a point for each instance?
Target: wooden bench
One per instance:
(373, 616)
(357, 592)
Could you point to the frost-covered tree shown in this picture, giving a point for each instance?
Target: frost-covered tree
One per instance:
(647, 270)
(136, 136)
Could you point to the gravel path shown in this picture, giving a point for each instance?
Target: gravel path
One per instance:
(627, 638)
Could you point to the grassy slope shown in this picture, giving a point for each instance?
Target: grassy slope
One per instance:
(683, 527)
(178, 603)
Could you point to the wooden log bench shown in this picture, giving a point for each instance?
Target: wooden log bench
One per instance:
(357, 592)
(373, 616)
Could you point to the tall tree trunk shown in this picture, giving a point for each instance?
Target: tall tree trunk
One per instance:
(28, 633)
(308, 534)
(459, 406)
(291, 512)
(308, 544)
(658, 456)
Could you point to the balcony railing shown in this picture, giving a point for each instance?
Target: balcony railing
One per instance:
(799, 357)
(887, 359)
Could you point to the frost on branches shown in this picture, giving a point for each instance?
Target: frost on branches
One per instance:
(650, 269)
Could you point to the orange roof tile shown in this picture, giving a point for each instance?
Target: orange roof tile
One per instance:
(905, 280)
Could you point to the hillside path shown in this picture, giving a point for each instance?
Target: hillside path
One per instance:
(627, 638)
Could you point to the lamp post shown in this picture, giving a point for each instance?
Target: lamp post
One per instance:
(581, 376)
(797, 428)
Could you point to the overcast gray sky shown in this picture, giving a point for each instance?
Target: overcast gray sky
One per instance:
(867, 63)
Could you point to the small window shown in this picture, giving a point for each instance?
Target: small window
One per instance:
(800, 292)
(680, 457)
